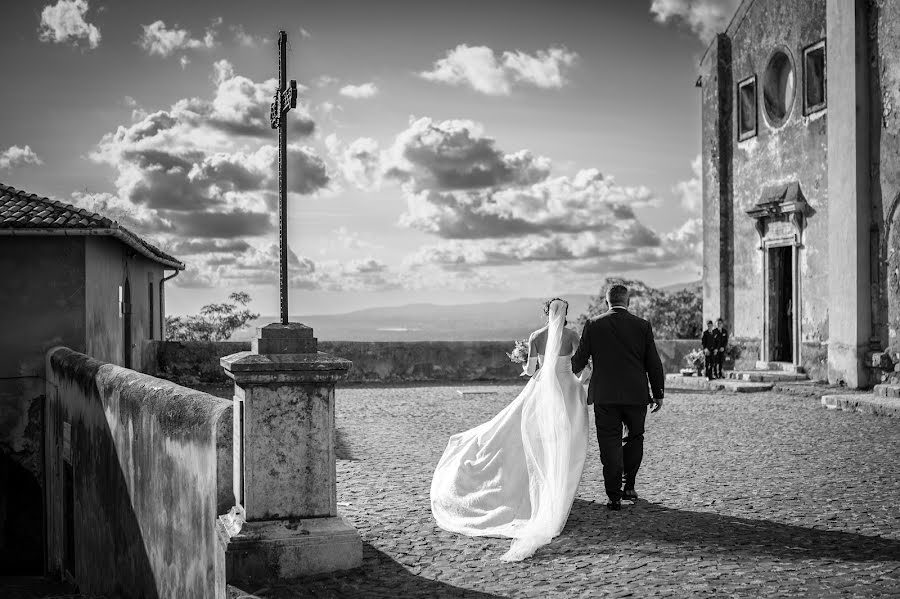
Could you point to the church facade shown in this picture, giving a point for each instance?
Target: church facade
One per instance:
(800, 109)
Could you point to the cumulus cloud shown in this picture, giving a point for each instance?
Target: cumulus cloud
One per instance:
(494, 209)
(359, 92)
(705, 18)
(65, 22)
(690, 192)
(631, 247)
(161, 40)
(459, 184)
(199, 178)
(135, 217)
(482, 70)
(259, 266)
(360, 162)
(15, 156)
(456, 155)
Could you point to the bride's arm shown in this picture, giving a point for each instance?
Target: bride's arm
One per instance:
(531, 364)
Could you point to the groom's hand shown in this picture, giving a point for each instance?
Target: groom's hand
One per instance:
(656, 405)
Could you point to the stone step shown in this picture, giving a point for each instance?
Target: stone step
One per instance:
(782, 366)
(887, 390)
(866, 404)
(678, 381)
(766, 376)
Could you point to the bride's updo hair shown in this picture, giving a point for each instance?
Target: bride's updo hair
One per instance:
(555, 299)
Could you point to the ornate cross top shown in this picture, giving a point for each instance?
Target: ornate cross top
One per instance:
(285, 99)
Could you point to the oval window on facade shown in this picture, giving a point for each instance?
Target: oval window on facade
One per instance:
(778, 88)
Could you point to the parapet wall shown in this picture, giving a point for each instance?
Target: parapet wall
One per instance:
(131, 481)
(374, 362)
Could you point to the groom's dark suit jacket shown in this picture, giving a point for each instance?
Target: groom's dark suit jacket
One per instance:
(625, 358)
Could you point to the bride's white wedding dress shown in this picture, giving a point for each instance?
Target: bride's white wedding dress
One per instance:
(516, 475)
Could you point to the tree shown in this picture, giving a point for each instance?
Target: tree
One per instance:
(674, 315)
(216, 322)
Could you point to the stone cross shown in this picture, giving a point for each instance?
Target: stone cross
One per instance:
(285, 99)
(285, 523)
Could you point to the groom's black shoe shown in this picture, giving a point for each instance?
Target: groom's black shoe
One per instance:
(629, 495)
(614, 505)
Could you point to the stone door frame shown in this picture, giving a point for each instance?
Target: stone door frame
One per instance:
(765, 342)
(780, 220)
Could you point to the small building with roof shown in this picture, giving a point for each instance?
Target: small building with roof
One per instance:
(67, 277)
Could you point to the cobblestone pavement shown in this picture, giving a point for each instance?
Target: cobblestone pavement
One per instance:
(741, 496)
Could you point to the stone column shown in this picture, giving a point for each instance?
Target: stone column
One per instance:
(849, 312)
(286, 523)
(717, 143)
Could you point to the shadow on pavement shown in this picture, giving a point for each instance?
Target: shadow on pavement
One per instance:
(380, 576)
(713, 534)
(38, 587)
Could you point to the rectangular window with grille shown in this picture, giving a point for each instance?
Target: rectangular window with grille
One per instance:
(814, 98)
(746, 107)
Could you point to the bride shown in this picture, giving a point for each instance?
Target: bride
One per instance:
(516, 475)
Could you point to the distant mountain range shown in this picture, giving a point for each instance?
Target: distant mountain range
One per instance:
(486, 321)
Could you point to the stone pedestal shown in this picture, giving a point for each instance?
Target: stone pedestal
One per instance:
(286, 523)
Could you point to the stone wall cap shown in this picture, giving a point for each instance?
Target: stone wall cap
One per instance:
(250, 362)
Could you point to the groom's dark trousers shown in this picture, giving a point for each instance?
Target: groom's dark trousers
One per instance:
(621, 458)
(626, 371)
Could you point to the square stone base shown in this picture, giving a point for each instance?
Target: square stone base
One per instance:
(281, 549)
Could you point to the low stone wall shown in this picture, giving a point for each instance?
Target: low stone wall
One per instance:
(132, 481)
(193, 362)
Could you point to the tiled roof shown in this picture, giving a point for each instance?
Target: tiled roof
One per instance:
(28, 213)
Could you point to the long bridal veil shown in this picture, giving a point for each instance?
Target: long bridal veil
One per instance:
(516, 475)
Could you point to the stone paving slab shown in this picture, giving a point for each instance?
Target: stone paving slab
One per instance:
(733, 386)
(866, 404)
(766, 376)
(772, 496)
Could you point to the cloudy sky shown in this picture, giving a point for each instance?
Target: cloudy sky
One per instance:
(440, 152)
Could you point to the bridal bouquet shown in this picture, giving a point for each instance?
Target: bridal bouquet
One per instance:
(519, 354)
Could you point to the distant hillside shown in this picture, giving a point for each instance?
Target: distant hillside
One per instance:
(488, 321)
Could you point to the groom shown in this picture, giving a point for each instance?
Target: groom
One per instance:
(625, 358)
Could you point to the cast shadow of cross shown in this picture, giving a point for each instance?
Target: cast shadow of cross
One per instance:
(710, 535)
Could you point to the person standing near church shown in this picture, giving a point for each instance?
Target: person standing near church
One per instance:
(720, 339)
(708, 343)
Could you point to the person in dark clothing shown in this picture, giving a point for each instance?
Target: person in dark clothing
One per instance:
(720, 338)
(708, 343)
(627, 378)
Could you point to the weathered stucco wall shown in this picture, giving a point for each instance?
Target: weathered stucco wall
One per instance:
(139, 519)
(374, 362)
(794, 151)
(108, 264)
(885, 50)
(41, 306)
